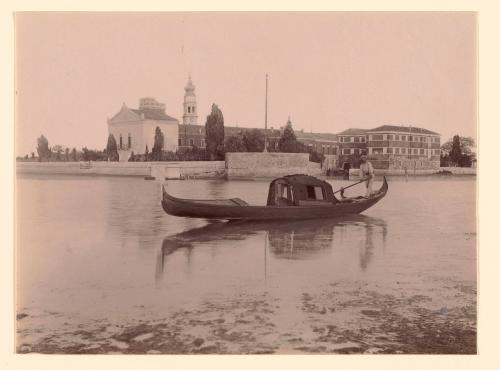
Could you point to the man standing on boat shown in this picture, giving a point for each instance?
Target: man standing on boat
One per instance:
(366, 172)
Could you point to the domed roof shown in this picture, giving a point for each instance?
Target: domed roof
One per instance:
(189, 86)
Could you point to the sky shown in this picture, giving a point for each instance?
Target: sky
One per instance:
(328, 71)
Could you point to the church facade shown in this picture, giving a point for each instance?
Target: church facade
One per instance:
(134, 129)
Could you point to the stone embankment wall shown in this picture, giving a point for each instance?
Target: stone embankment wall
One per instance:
(354, 173)
(250, 165)
(398, 163)
(173, 170)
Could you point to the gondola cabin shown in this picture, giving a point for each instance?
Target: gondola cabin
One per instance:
(300, 190)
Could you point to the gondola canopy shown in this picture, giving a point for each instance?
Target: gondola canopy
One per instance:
(296, 190)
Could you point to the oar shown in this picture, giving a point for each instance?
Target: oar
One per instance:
(341, 190)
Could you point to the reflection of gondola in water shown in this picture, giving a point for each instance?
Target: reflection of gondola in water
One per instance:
(288, 240)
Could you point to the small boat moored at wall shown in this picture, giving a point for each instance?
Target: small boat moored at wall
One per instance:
(291, 197)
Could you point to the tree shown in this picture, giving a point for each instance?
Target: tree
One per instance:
(43, 148)
(32, 155)
(214, 134)
(86, 154)
(288, 142)
(158, 145)
(466, 145)
(234, 144)
(458, 151)
(146, 154)
(58, 150)
(73, 154)
(66, 154)
(253, 140)
(112, 148)
(132, 157)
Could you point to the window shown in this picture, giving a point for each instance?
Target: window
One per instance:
(346, 151)
(397, 137)
(121, 141)
(129, 141)
(389, 151)
(396, 150)
(356, 139)
(202, 143)
(403, 150)
(356, 151)
(377, 150)
(314, 192)
(362, 139)
(377, 137)
(192, 109)
(415, 151)
(390, 137)
(191, 142)
(421, 151)
(180, 142)
(189, 109)
(410, 138)
(403, 137)
(334, 151)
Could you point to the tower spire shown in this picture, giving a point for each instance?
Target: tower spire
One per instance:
(190, 110)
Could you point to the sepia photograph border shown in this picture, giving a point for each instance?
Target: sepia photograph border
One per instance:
(487, 199)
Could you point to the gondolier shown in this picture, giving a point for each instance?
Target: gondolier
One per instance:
(366, 172)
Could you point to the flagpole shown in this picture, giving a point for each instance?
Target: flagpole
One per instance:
(265, 122)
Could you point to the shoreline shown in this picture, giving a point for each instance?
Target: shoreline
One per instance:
(202, 170)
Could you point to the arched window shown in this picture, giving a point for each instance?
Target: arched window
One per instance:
(121, 141)
(129, 141)
(192, 109)
(189, 109)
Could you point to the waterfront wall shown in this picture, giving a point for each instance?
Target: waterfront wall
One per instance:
(194, 169)
(354, 173)
(249, 165)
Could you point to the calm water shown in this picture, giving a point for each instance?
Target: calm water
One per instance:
(101, 268)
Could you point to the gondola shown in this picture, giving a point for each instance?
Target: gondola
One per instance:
(292, 197)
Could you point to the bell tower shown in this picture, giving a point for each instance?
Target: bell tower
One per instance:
(190, 110)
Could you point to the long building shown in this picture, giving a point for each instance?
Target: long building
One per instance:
(391, 147)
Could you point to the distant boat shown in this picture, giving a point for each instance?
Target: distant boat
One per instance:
(293, 197)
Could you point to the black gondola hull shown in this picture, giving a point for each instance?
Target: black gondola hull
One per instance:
(213, 210)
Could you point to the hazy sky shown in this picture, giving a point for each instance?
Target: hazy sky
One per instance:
(329, 71)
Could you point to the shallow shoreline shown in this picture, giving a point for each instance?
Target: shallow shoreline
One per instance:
(353, 321)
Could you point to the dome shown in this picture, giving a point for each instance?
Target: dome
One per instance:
(189, 87)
